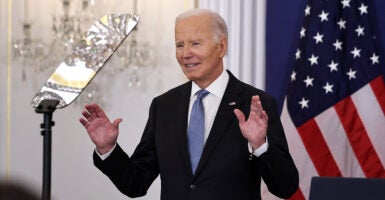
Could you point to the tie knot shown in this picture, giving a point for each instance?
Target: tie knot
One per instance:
(202, 93)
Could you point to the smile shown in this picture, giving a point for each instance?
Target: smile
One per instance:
(192, 65)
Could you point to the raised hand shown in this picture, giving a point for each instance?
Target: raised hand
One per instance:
(254, 129)
(102, 132)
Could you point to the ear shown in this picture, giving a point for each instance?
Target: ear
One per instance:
(222, 45)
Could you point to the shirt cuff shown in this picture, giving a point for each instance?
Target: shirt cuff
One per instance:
(260, 150)
(104, 156)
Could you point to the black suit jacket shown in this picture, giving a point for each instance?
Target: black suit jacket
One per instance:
(226, 170)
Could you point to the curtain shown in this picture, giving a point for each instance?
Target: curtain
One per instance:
(246, 24)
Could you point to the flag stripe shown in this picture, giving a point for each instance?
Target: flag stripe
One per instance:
(297, 195)
(318, 150)
(379, 90)
(301, 157)
(372, 115)
(359, 140)
(338, 143)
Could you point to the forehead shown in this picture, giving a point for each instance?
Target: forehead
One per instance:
(193, 26)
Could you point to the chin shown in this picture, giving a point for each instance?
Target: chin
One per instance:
(191, 75)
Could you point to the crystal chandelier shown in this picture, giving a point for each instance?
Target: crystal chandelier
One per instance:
(28, 51)
(133, 56)
(67, 31)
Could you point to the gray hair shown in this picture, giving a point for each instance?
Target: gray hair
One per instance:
(218, 23)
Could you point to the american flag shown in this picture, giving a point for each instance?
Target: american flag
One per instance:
(333, 113)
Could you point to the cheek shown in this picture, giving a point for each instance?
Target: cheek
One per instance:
(178, 56)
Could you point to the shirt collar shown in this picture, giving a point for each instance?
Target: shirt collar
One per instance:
(216, 88)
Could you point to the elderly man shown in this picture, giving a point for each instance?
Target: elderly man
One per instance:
(197, 137)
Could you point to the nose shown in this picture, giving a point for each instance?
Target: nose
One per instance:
(186, 52)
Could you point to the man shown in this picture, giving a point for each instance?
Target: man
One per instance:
(237, 151)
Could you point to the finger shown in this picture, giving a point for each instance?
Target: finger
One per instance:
(253, 116)
(87, 115)
(117, 122)
(99, 111)
(92, 109)
(258, 116)
(253, 104)
(265, 117)
(255, 99)
(240, 116)
(257, 106)
(84, 122)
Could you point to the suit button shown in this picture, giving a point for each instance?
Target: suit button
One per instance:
(193, 187)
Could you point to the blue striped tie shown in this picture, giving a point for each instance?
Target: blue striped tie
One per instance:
(196, 130)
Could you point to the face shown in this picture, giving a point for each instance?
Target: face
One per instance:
(198, 53)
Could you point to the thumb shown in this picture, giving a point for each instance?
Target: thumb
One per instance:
(117, 122)
(240, 116)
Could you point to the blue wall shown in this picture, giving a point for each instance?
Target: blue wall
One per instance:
(283, 22)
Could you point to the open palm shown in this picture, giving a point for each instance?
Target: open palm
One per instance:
(102, 132)
(254, 129)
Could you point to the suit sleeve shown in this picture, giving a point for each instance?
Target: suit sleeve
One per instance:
(133, 176)
(276, 164)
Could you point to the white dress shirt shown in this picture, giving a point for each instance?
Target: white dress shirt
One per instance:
(212, 100)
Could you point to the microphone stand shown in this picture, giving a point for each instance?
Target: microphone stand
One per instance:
(47, 107)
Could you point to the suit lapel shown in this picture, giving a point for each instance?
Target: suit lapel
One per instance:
(181, 129)
(224, 117)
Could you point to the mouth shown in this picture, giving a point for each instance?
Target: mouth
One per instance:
(191, 65)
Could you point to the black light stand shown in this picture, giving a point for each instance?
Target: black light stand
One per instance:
(47, 107)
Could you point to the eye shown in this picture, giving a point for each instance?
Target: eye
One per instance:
(195, 43)
(178, 46)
